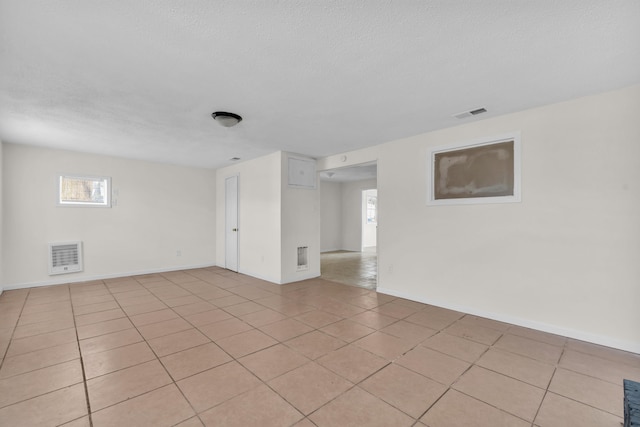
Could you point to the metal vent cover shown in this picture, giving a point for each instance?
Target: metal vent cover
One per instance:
(470, 113)
(65, 257)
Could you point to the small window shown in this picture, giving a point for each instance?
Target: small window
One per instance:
(84, 191)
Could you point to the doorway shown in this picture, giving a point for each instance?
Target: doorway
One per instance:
(348, 225)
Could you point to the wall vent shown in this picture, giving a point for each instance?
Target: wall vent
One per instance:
(303, 263)
(470, 113)
(65, 258)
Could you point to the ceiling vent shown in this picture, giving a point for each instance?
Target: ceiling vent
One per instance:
(470, 113)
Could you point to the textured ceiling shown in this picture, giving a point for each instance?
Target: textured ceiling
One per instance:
(140, 78)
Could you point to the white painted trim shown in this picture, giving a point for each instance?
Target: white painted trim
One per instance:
(517, 171)
(102, 276)
(633, 347)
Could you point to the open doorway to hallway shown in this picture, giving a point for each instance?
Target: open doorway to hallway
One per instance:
(348, 225)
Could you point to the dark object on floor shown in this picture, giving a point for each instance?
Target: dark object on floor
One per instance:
(631, 403)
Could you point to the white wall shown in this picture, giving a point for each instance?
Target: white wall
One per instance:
(1, 223)
(564, 260)
(352, 213)
(330, 216)
(259, 213)
(300, 225)
(159, 209)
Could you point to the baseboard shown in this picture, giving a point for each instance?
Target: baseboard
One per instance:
(540, 326)
(66, 279)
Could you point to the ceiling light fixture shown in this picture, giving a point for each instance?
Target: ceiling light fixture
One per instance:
(226, 119)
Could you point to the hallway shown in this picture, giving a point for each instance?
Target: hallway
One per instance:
(351, 268)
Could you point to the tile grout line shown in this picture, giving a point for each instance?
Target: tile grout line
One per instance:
(84, 375)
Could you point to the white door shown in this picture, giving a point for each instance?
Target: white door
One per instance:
(231, 223)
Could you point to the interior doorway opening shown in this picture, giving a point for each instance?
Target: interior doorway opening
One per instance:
(348, 225)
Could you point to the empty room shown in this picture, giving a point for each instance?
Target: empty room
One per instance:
(320, 213)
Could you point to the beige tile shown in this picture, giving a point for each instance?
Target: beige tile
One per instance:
(78, 422)
(433, 364)
(597, 367)
(259, 407)
(50, 409)
(262, 317)
(461, 348)
(588, 390)
(359, 408)
(519, 367)
(455, 409)
(347, 330)
(304, 423)
(153, 317)
(97, 364)
(39, 308)
(228, 301)
(90, 300)
(179, 341)
(558, 411)
(286, 329)
(230, 379)
(226, 328)
(309, 387)
(39, 342)
(191, 422)
(100, 316)
(162, 407)
(41, 381)
(487, 323)
(207, 317)
(611, 354)
(412, 393)
(46, 316)
(163, 328)
(538, 350)
(245, 343)
(317, 318)
(373, 320)
(194, 308)
(433, 319)
(119, 386)
(352, 363)
(79, 310)
(110, 341)
(314, 344)
(194, 360)
(138, 300)
(102, 328)
(513, 396)
(144, 308)
(544, 337)
(408, 331)
(273, 362)
(42, 328)
(399, 311)
(386, 346)
(242, 308)
(479, 334)
(39, 359)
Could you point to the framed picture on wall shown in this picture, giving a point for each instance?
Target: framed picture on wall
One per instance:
(481, 171)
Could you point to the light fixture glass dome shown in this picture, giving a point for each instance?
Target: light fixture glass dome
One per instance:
(226, 119)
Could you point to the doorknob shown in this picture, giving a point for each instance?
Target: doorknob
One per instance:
(234, 229)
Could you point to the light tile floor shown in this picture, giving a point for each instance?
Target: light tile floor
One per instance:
(351, 268)
(211, 347)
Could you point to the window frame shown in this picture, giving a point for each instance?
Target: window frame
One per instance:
(105, 204)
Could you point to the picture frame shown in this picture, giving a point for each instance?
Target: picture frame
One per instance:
(482, 171)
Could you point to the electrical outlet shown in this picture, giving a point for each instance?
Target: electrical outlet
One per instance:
(178, 252)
